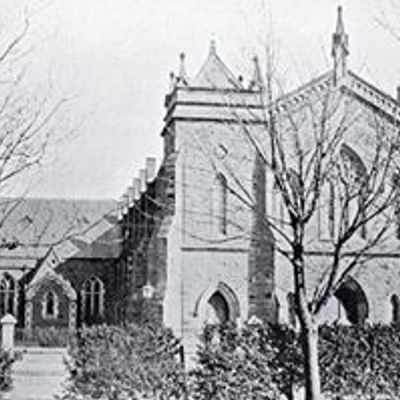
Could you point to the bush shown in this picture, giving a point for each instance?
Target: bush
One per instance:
(361, 361)
(235, 366)
(261, 361)
(255, 362)
(7, 359)
(108, 362)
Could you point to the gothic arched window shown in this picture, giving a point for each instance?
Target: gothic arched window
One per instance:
(50, 305)
(222, 203)
(352, 172)
(218, 310)
(395, 302)
(396, 184)
(92, 299)
(8, 295)
(326, 212)
(278, 208)
(291, 310)
(354, 301)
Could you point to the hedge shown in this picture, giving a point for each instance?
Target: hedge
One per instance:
(358, 361)
(125, 363)
(255, 362)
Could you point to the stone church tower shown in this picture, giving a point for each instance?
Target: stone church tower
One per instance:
(202, 255)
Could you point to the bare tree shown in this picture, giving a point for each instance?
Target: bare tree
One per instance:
(306, 145)
(388, 17)
(30, 115)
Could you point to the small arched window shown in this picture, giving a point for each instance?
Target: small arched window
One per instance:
(50, 305)
(8, 296)
(395, 303)
(291, 310)
(278, 208)
(222, 203)
(353, 171)
(354, 301)
(396, 189)
(92, 299)
(326, 212)
(218, 310)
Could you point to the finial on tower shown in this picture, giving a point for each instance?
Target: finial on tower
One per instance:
(182, 77)
(213, 45)
(256, 81)
(172, 81)
(340, 47)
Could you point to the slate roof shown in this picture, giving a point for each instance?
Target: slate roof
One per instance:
(35, 225)
(101, 241)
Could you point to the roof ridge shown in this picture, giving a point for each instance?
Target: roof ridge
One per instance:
(374, 87)
(214, 61)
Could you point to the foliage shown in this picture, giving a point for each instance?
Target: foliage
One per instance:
(234, 365)
(255, 362)
(7, 359)
(362, 361)
(259, 361)
(109, 362)
(47, 337)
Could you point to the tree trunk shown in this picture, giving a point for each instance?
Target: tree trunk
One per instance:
(311, 365)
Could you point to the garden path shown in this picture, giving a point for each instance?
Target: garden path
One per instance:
(39, 375)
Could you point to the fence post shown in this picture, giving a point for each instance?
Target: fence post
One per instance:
(7, 331)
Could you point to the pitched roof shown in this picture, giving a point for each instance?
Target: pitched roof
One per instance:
(101, 241)
(214, 74)
(36, 224)
(35, 221)
(354, 84)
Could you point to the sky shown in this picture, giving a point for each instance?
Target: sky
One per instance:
(113, 58)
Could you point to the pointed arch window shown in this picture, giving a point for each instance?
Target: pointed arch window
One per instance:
(8, 296)
(326, 212)
(217, 312)
(278, 208)
(353, 171)
(396, 184)
(92, 299)
(331, 211)
(354, 301)
(50, 305)
(397, 217)
(292, 319)
(395, 303)
(222, 203)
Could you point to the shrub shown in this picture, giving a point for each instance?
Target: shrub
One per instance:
(261, 361)
(233, 365)
(7, 359)
(361, 361)
(116, 363)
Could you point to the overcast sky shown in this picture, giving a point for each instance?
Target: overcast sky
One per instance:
(114, 57)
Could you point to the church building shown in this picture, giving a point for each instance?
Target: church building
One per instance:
(194, 253)
(190, 243)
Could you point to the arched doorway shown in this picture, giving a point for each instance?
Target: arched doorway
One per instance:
(217, 305)
(217, 310)
(353, 301)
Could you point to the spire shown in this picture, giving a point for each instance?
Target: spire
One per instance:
(172, 82)
(182, 77)
(340, 47)
(256, 81)
(213, 46)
